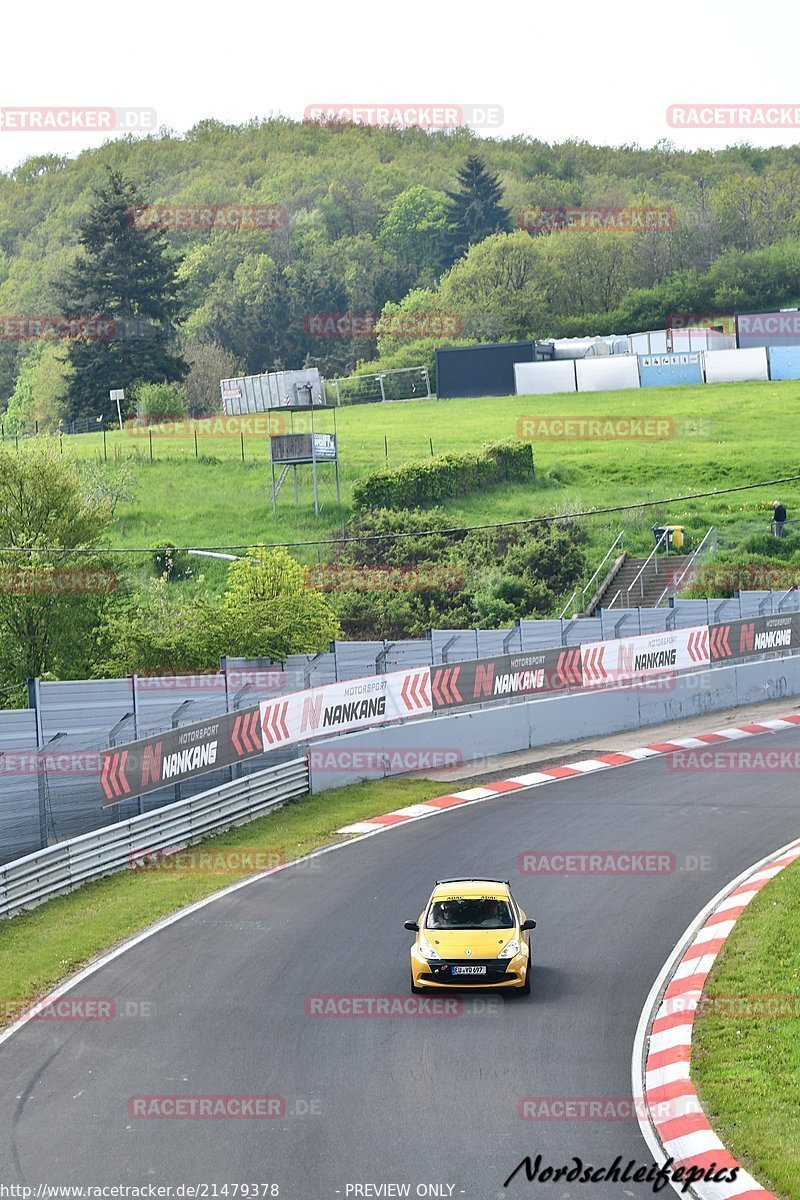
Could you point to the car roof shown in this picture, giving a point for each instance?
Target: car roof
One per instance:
(496, 888)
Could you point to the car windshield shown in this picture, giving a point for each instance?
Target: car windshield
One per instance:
(480, 912)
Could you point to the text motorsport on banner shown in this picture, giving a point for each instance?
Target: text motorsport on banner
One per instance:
(647, 655)
(191, 750)
(338, 707)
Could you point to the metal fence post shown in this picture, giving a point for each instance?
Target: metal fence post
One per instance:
(176, 719)
(135, 703)
(35, 702)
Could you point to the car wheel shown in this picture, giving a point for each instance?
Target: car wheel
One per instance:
(525, 990)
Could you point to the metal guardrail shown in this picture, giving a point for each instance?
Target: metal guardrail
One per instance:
(618, 541)
(61, 868)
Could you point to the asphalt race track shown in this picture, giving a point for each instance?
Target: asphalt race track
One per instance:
(392, 1100)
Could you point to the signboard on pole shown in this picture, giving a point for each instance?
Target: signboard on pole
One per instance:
(118, 394)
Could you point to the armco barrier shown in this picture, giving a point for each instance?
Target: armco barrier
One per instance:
(29, 881)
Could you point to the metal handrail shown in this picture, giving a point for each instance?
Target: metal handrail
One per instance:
(654, 555)
(618, 540)
(677, 583)
(568, 605)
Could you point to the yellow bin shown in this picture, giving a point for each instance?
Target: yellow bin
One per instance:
(676, 536)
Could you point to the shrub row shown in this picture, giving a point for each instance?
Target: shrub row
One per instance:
(446, 475)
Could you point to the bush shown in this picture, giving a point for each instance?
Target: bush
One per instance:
(485, 577)
(160, 400)
(170, 563)
(440, 478)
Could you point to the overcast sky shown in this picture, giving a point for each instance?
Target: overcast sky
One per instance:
(601, 72)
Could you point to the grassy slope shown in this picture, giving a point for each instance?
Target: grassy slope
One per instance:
(747, 1070)
(725, 434)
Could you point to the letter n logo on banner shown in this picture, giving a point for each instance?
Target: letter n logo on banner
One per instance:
(312, 711)
(625, 659)
(747, 636)
(151, 764)
(484, 678)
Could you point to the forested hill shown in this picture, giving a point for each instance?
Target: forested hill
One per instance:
(371, 218)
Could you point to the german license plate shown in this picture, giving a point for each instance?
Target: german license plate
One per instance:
(469, 970)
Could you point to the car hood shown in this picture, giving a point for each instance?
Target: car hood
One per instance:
(482, 943)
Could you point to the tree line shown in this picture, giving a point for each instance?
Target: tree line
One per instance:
(370, 221)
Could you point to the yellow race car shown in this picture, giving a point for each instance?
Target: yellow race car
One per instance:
(471, 934)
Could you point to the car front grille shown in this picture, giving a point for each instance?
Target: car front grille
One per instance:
(496, 971)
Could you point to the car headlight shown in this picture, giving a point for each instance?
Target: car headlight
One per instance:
(426, 949)
(510, 949)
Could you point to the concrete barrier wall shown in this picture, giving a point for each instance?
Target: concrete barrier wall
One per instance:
(472, 737)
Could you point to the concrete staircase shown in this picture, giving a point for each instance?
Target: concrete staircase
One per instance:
(652, 583)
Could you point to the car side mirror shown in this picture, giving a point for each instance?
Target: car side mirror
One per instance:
(529, 924)
(412, 925)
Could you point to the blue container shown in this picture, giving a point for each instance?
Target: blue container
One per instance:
(784, 362)
(669, 370)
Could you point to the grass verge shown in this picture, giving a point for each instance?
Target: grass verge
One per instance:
(40, 948)
(747, 1069)
(721, 436)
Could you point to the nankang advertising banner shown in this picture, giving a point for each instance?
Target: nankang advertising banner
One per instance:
(178, 754)
(339, 707)
(505, 675)
(760, 635)
(645, 656)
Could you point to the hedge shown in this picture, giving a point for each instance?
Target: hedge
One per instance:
(444, 476)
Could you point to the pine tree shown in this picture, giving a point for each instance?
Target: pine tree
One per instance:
(475, 211)
(126, 276)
